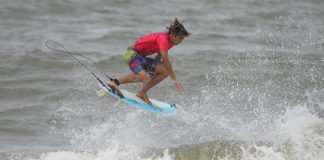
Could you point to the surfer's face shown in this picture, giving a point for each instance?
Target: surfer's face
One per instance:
(176, 39)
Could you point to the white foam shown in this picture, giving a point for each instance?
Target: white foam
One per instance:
(108, 154)
(299, 136)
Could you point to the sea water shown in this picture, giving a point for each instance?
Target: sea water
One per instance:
(252, 72)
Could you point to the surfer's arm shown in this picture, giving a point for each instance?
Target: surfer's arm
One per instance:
(158, 57)
(168, 66)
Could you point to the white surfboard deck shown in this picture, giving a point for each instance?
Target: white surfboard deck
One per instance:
(131, 98)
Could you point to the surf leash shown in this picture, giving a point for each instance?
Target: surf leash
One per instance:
(85, 66)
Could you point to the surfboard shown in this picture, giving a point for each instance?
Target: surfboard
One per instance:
(131, 98)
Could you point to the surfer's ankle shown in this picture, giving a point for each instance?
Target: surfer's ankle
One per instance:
(144, 97)
(116, 81)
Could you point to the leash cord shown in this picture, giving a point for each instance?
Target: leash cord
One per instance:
(72, 55)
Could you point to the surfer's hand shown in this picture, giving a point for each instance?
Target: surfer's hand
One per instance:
(178, 85)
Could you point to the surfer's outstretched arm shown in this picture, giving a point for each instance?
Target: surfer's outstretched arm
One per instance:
(169, 69)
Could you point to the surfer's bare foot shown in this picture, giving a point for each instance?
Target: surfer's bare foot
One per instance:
(113, 85)
(144, 97)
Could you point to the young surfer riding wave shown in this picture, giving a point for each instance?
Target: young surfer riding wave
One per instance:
(148, 70)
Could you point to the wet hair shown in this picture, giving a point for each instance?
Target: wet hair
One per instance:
(177, 28)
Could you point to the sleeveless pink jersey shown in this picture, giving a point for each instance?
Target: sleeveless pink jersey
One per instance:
(153, 43)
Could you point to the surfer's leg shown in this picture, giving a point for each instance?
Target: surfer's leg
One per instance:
(139, 74)
(142, 76)
(126, 79)
(131, 78)
(145, 78)
(135, 65)
(161, 74)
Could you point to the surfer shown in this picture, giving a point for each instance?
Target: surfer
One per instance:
(152, 71)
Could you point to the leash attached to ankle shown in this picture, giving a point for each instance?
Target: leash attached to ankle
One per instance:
(116, 81)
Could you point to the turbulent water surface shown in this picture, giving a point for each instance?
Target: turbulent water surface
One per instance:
(253, 73)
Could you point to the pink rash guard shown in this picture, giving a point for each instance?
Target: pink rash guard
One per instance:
(153, 43)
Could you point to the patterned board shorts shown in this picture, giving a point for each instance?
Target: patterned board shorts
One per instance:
(137, 62)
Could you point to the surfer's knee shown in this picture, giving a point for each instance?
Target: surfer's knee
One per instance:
(143, 75)
(160, 69)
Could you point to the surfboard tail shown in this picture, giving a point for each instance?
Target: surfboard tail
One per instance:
(102, 92)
